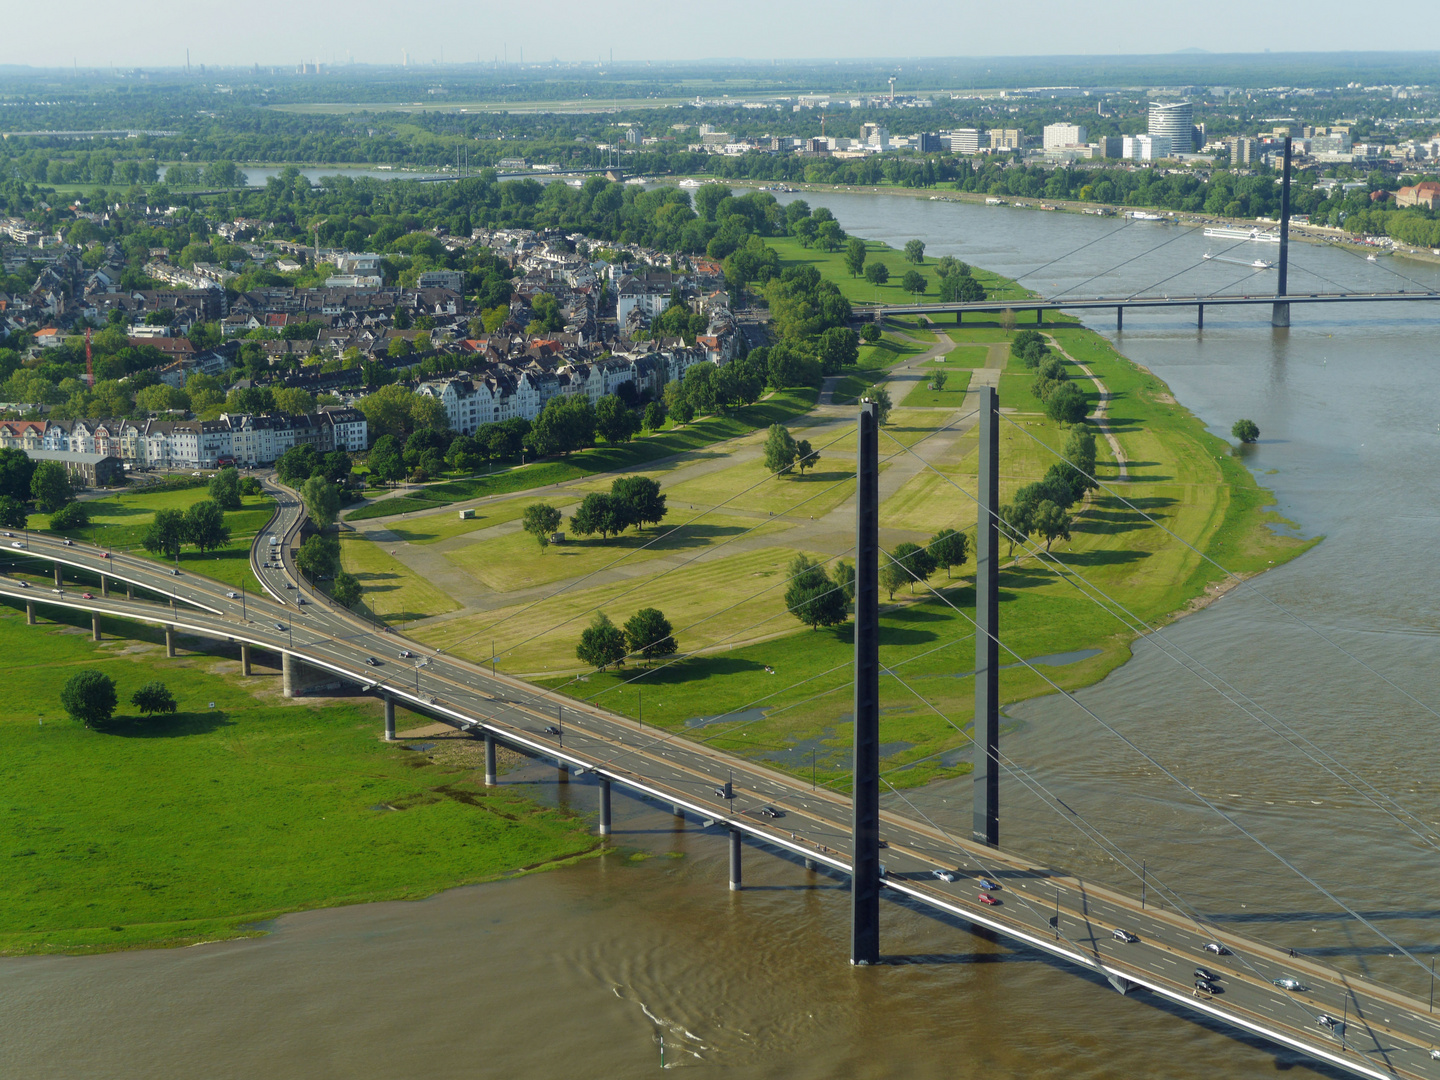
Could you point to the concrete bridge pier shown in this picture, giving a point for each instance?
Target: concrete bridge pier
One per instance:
(1280, 315)
(1039, 317)
(1200, 316)
(389, 719)
(59, 580)
(29, 612)
(287, 675)
(490, 777)
(170, 642)
(679, 814)
(94, 626)
(104, 585)
(129, 591)
(564, 771)
(734, 860)
(1119, 318)
(604, 807)
(245, 659)
(811, 865)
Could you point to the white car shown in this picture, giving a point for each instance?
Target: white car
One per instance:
(233, 595)
(18, 544)
(1124, 935)
(944, 875)
(1291, 984)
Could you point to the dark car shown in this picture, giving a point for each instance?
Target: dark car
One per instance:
(372, 661)
(279, 626)
(1206, 987)
(552, 730)
(1124, 935)
(1201, 973)
(988, 885)
(770, 811)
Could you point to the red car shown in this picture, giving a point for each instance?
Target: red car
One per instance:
(104, 555)
(986, 898)
(86, 596)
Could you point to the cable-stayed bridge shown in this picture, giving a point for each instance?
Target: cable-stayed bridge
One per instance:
(1152, 942)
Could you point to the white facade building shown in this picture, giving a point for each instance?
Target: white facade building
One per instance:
(1058, 136)
(1145, 148)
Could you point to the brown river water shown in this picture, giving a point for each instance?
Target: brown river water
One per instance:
(599, 969)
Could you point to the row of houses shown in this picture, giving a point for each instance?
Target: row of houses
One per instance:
(245, 438)
(505, 391)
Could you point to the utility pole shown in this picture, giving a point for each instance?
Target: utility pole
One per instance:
(1280, 313)
(986, 731)
(865, 879)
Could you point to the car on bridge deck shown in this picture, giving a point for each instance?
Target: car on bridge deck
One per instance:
(68, 542)
(1206, 987)
(19, 545)
(102, 555)
(87, 596)
(986, 898)
(944, 875)
(1203, 973)
(988, 885)
(1216, 948)
(1124, 935)
(1288, 983)
(23, 584)
(233, 595)
(280, 626)
(372, 661)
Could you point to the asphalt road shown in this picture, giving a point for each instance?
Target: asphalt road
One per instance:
(1384, 1032)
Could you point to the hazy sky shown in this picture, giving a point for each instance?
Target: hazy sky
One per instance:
(156, 33)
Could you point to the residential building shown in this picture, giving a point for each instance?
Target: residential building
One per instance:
(963, 141)
(1005, 138)
(1425, 194)
(1059, 136)
(1145, 147)
(89, 470)
(454, 280)
(1243, 150)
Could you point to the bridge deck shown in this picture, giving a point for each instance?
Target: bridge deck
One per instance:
(1387, 1034)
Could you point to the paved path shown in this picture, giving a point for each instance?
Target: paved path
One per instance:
(1102, 408)
(831, 533)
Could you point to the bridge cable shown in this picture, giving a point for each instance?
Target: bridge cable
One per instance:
(698, 555)
(1126, 262)
(1383, 266)
(1174, 777)
(1242, 701)
(1098, 837)
(654, 540)
(1082, 247)
(1239, 580)
(1186, 270)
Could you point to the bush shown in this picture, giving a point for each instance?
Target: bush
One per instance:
(70, 516)
(1245, 430)
(870, 332)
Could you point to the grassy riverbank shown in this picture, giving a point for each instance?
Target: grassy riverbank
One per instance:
(758, 684)
(239, 808)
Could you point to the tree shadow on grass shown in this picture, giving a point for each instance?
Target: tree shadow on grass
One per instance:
(166, 726)
(1101, 558)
